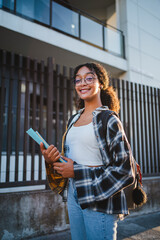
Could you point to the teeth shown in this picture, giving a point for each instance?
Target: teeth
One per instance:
(84, 90)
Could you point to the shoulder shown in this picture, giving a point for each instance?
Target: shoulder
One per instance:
(115, 130)
(114, 123)
(109, 118)
(71, 119)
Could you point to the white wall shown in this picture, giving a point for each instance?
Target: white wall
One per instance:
(111, 16)
(140, 21)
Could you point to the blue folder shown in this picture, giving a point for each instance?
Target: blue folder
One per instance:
(38, 138)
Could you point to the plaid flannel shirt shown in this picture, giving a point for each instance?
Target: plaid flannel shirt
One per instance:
(101, 188)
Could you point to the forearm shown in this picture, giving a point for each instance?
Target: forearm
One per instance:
(101, 182)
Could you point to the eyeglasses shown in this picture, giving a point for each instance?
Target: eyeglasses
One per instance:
(89, 79)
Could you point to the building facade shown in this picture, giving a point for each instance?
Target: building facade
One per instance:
(121, 34)
(41, 41)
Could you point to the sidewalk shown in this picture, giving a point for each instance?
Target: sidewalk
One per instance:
(143, 227)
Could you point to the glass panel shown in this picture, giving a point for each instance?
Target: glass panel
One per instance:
(64, 19)
(35, 9)
(7, 3)
(91, 31)
(113, 41)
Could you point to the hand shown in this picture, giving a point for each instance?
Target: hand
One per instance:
(65, 169)
(51, 154)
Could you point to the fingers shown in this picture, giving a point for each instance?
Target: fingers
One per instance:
(65, 169)
(51, 148)
(42, 147)
(58, 167)
(50, 154)
(58, 164)
(53, 153)
(67, 159)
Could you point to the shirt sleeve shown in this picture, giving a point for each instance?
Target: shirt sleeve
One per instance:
(100, 183)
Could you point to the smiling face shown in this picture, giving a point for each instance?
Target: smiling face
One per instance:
(90, 89)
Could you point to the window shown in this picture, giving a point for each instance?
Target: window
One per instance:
(65, 19)
(9, 4)
(35, 9)
(113, 41)
(91, 31)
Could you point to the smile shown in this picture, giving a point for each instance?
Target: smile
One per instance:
(84, 90)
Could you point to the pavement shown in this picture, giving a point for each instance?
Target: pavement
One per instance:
(142, 227)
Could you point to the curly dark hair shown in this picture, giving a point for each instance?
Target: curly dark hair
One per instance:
(108, 95)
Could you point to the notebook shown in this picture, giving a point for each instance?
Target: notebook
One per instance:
(38, 138)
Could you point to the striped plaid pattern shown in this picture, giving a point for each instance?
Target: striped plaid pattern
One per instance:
(101, 188)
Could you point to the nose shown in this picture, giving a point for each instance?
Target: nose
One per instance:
(83, 81)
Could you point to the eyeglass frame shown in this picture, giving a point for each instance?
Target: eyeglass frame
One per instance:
(84, 78)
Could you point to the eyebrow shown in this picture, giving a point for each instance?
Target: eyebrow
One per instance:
(86, 73)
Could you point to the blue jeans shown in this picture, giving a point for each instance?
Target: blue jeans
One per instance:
(87, 224)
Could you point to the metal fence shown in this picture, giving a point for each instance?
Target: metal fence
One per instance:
(35, 95)
(140, 115)
(41, 96)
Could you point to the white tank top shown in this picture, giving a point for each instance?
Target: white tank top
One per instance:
(82, 147)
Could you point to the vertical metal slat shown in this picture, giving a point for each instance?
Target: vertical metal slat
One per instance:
(2, 100)
(143, 128)
(57, 104)
(155, 140)
(49, 99)
(130, 113)
(9, 125)
(135, 150)
(147, 130)
(120, 94)
(150, 130)
(18, 116)
(64, 98)
(71, 90)
(34, 116)
(139, 136)
(26, 117)
(41, 112)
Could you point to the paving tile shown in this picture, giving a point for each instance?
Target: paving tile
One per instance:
(147, 235)
(156, 228)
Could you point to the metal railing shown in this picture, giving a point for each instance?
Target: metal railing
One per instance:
(65, 18)
(31, 95)
(41, 96)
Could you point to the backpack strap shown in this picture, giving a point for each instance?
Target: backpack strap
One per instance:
(70, 120)
(103, 118)
(105, 115)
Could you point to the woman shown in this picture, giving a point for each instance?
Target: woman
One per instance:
(98, 159)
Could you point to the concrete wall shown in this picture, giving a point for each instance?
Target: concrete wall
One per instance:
(151, 187)
(140, 22)
(31, 214)
(40, 212)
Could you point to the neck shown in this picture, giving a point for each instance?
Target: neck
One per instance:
(90, 107)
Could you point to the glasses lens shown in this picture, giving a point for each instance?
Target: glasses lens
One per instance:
(89, 80)
(77, 81)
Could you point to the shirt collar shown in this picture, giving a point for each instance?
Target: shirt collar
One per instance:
(96, 111)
